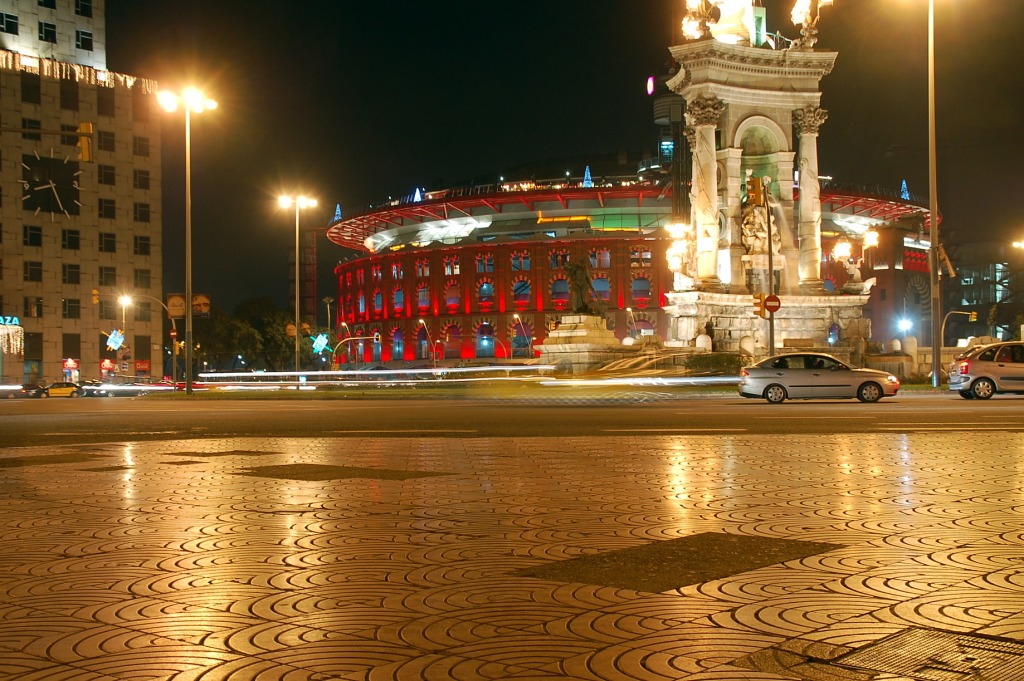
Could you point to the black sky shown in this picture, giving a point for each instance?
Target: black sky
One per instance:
(355, 101)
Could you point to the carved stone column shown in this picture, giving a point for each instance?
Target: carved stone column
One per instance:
(807, 121)
(703, 114)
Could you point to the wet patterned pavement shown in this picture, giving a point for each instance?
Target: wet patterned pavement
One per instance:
(414, 558)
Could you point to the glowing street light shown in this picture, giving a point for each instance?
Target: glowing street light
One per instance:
(194, 101)
(299, 202)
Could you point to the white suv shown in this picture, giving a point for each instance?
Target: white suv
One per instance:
(986, 370)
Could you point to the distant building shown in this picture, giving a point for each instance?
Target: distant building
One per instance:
(70, 226)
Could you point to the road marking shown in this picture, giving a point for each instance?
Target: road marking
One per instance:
(919, 427)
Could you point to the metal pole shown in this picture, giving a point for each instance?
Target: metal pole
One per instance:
(766, 183)
(933, 209)
(296, 289)
(188, 249)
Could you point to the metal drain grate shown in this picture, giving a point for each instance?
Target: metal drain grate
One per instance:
(929, 655)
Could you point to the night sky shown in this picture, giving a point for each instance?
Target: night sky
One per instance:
(353, 102)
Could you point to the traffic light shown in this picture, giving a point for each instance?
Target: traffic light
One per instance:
(95, 296)
(755, 192)
(973, 317)
(84, 142)
(759, 305)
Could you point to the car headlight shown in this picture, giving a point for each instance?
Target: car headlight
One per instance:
(892, 379)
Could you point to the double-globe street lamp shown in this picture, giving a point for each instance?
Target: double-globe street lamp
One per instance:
(191, 100)
(299, 202)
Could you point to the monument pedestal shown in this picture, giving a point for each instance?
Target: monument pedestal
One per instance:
(582, 343)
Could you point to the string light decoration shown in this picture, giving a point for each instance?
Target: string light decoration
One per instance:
(12, 339)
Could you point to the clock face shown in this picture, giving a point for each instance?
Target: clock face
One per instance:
(50, 185)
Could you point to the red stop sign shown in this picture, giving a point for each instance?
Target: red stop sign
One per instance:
(772, 303)
(174, 333)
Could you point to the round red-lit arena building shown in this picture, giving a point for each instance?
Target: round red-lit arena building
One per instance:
(477, 272)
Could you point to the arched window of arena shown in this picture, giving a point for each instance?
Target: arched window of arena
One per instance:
(423, 297)
(422, 343)
(521, 335)
(378, 301)
(397, 345)
(362, 304)
(486, 293)
(485, 263)
(520, 261)
(641, 290)
(398, 301)
(602, 288)
(521, 293)
(601, 259)
(485, 341)
(452, 342)
(452, 296)
(559, 291)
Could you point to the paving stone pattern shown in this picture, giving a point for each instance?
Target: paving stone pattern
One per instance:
(290, 559)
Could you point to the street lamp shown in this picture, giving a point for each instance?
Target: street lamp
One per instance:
(124, 301)
(197, 102)
(299, 202)
(328, 300)
(933, 208)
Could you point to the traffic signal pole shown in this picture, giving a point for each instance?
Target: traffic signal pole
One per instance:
(765, 184)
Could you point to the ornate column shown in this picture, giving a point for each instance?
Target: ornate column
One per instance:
(703, 114)
(807, 121)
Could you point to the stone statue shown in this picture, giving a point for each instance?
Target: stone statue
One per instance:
(581, 288)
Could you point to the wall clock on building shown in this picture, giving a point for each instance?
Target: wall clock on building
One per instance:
(50, 185)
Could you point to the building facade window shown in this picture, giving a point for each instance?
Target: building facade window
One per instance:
(106, 174)
(31, 235)
(69, 94)
(140, 212)
(423, 298)
(83, 40)
(71, 308)
(639, 256)
(396, 271)
(451, 265)
(107, 311)
(375, 273)
(142, 278)
(70, 273)
(521, 293)
(105, 101)
(484, 263)
(108, 276)
(70, 239)
(422, 268)
(141, 244)
(140, 146)
(107, 208)
(398, 301)
(47, 32)
(33, 307)
(140, 179)
(31, 124)
(50, 4)
(105, 140)
(108, 242)
(559, 258)
(143, 311)
(32, 270)
(601, 259)
(68, 140)
(8, 23)
(83, 8)
(31, 88)
(521, 261)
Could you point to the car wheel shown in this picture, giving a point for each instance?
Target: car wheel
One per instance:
(966, 394)
(983, 388)
(75, 393)
(44, 395)
(869, 392)
(775, 393)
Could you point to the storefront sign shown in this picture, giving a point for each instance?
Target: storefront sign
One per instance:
(142, 366)
(10, 321)
(107, 365)
(70, 363)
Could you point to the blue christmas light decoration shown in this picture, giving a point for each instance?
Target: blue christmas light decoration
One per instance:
(337, 213)
(417, 197)
(904, 192)
(115, 340)
(587, 180)
(319, 343)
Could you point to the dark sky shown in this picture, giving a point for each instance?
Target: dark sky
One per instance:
(355, 101)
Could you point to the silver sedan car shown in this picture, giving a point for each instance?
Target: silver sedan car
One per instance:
(814, 375)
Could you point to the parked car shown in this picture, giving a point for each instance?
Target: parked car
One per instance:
(813, 375)
(986, 370)
(63, 389)
(32, 390)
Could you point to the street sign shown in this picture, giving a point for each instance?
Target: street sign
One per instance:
(174, 333)
(772, 304)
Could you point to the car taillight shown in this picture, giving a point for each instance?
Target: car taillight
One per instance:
(964, 367)
(743, 373)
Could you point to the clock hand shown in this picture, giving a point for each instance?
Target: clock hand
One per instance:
(45, 186)
(57, 196)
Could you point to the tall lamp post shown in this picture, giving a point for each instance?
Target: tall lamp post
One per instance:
(299, 202)
(125, 301)
(193, 100)
(933, 209)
